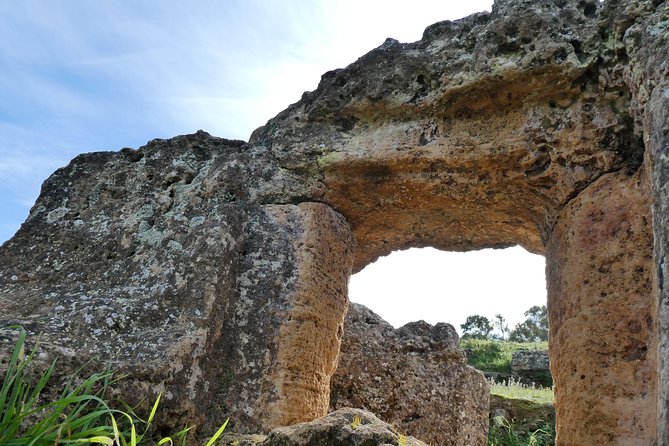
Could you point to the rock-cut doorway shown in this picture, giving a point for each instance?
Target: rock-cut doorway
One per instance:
(412, 373)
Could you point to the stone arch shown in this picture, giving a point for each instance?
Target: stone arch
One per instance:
(216, 270)
(513, 148)
(594, 228)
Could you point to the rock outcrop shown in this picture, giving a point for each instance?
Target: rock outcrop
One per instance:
(607, 231)
(157, 263)
(216, 271)
(647, 44)
(531, 367)
(415, 377)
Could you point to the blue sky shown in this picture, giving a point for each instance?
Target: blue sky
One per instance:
(80, 75)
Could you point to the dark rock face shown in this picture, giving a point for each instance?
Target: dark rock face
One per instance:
(216, 271)
(119, 263)
(415, 377)
(532, 367)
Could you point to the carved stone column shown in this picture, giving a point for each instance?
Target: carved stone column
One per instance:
(602, 325)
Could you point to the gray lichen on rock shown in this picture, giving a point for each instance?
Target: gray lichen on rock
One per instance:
(216, 271)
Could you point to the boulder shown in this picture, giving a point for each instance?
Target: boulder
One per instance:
(158, 264)
(532, 367)
(415, 377)
(344, 427)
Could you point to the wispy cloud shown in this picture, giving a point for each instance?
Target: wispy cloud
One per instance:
(78, 75)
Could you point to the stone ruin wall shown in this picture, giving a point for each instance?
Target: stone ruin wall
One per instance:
(215, 271)
(415, 377)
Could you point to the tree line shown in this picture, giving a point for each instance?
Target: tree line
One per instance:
(533, 329)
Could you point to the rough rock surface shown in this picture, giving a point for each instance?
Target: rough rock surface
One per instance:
(156, 263)
(415, 377)
(344, 427)
(480, 117)
(532, 367)
(215, 271)
(607, 375)
(647, 43)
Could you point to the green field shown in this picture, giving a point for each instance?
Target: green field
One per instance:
(495, 356)
(518, 391)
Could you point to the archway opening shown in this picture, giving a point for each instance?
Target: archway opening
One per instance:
(401, 357)
(438, 286)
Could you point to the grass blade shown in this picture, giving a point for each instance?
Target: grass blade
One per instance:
(153, 410)
(14, 371)
(80, 415)
(98, 440)
(218, 433)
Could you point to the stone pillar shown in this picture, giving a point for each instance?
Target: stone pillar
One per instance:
(602, 317)
(658, 142)
(310, 336)
(287, 321)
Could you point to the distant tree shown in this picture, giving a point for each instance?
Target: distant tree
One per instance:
(539, 316)
(476, 327)
(525, 332)
(535, 327)
(501, 326)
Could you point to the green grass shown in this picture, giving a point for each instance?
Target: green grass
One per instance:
(505, 433)
(495, 356)
(80, 415)
(529, 403)
(517, 390)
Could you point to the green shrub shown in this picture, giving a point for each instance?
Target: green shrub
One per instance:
(79, 416)
(530, 407)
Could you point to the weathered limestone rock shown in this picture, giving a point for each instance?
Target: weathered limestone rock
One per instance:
(415, 377)
(647, 44)
(344, 427)
(481, 117)
(600, 256)
(300, 302)
(241, 439)
(215, 271)
(532, 367)
(155, 263)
